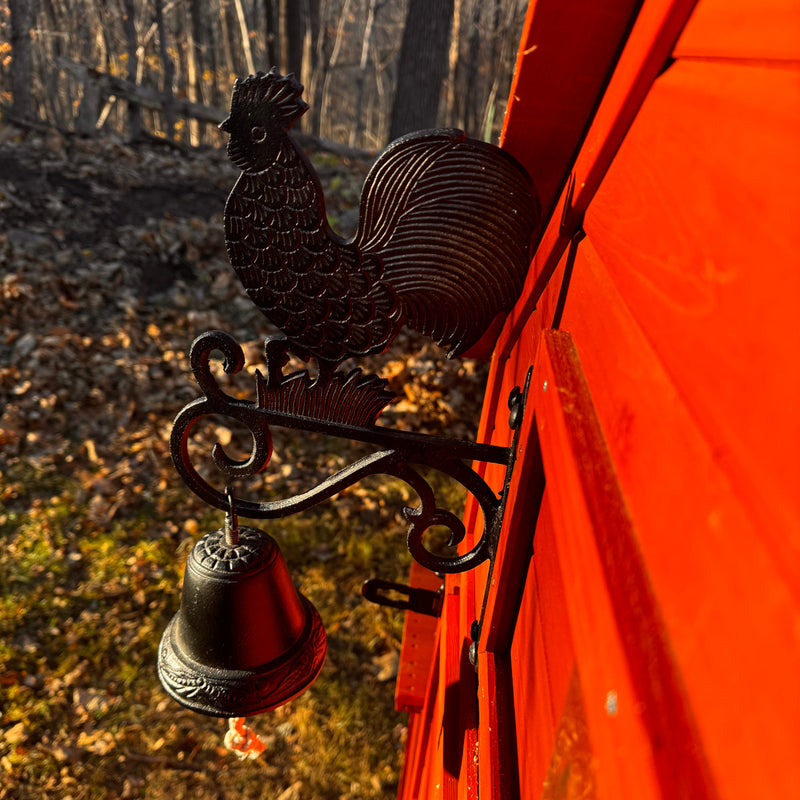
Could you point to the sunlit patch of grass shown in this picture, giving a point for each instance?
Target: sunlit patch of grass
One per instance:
(82, 609)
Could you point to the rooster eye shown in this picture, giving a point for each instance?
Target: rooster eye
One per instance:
(258, 134)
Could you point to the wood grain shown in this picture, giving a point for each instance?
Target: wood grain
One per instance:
(697, 223)
(567, 53)
(417, 651)
(767, 31)
(730, 608)
(647, 744)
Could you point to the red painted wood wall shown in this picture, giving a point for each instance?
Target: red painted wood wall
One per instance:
(642, 630)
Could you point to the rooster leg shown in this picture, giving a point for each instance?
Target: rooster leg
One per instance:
(276, 352)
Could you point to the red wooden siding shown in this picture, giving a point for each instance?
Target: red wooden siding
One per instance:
(721, 30)
(639, 718)
(542, 658)
(419, 636)
(565, 60)
(713, 289)
(641, 633)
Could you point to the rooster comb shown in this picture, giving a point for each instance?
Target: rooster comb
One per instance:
(279, 93)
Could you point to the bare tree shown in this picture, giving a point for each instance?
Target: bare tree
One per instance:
(338, 44)
(135, 121)
(295, 37)
(373, 69)
(472, 105)
(271, 30)
(318, 75)
(169, 70)
(22, 13)
(358, 116)
(454, 65)
(423, 65)
(312, 17)
(193, 32)
(245, 34)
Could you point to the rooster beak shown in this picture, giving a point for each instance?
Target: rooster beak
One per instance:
(224, 125)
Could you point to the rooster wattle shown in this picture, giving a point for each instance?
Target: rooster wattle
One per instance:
(442, 244)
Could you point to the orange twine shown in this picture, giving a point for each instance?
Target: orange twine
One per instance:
(243, 740)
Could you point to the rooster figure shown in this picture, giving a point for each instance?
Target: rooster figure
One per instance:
(442, 244)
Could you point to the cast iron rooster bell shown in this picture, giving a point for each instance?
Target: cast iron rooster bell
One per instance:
(443, 247)
(244, 640)
(443, 242)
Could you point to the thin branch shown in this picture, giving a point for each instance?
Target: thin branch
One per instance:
(248, 53)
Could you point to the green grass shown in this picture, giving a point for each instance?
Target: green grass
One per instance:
(82, 609)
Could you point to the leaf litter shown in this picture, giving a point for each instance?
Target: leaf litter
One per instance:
(112, 260)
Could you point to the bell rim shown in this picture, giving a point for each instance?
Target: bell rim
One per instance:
(220, 692)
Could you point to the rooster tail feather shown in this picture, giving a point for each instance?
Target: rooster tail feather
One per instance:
(451, 220)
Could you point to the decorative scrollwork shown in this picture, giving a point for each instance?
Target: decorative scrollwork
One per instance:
(241, 692)
(337, 403)
(251, 549)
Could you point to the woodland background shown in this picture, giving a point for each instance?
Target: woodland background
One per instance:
(373, 69)
(112, 259)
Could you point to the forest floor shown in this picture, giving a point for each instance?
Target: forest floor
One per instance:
(112, 260)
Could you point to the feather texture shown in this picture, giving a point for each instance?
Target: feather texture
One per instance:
(442, 244)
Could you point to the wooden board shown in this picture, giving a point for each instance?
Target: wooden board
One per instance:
(567, 53)
(621, 643)
(708, 561)
(419, 644)
(703, 242)
(767, 31)
(542, 660)
(647, 51)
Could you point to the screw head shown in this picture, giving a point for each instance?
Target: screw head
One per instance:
(473, 654)
(515, 407)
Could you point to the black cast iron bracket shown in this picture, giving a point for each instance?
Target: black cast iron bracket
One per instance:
(345, 406)
(442, 247)
(422, 601)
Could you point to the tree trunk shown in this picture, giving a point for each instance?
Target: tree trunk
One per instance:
(422, 67)
(169, 71)
(273, 54)
(473, 94)
(88, 110)
(295, 37)
(321, 65)
(311, 11)
(454, 69)
(195, 63)
(333, 60)
(52, 16)
(245, 34)
(358, 122)
(89, 107)
(22, 14)
(211, 54)
(146, 96)
(224, 41)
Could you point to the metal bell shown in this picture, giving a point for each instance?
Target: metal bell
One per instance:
(244, 640)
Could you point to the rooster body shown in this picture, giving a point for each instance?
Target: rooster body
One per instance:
(442, 243)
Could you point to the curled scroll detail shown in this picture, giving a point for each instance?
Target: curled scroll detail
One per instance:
(399, 450)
